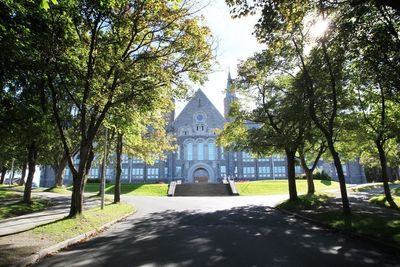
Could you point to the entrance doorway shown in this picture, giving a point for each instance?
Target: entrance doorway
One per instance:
(200, 175)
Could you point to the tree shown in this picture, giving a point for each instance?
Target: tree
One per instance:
(110, 53)
(282, 27)
(279, 114)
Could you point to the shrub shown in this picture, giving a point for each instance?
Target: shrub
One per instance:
(96, 181)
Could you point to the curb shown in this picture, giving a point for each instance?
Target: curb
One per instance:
(66, 243)
(382, 245)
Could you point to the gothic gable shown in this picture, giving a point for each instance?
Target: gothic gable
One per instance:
(198, 117)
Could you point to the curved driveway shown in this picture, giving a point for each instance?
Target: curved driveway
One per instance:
(218, 231)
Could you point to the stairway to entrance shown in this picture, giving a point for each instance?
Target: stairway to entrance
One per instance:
(202, 189)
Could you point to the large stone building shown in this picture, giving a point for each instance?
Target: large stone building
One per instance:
(199, 159)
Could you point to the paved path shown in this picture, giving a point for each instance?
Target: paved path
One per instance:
(59, 209)
(218, 231)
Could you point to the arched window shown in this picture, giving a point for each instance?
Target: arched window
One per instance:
(189, 149)
(211, 151)
(200, 151)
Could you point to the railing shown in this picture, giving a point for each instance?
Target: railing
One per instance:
(171, 189)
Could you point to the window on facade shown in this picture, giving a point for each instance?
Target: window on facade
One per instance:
(76, 160)
(263, 159)
(223, 171)
(264, 171)
(279, 171)
(298, 169)
(178, 153)
(200, 151)
(152, 173)
(178, 171)
(124, 158)
(211, 151)
(67, 173)
(235, 156)
(125, 174)
(344, 167)
(136, 160)
(249, 172)
(222, 153)
(109, 173)
(200, 127)
(137, 173)
(189, 149)
(246, 157)
(94, 172)
(165, 172)
(279, 158)
(236, 171)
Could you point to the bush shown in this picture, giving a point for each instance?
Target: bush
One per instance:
(317, 175)
(321, 176)
(96, 181)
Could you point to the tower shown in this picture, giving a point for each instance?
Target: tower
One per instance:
(230, 96)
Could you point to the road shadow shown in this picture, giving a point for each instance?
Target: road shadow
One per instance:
(241, 236)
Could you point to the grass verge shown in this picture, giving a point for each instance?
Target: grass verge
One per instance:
(90, 220)
(381, 199)
(131, 189)
(363, 222)
(280, 187)
(7, 194)
(20, 208)
(59, 190)
(18, 246)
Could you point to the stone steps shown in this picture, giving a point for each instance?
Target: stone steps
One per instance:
(203, 190)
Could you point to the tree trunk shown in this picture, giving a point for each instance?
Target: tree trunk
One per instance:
(341, 178)
(86, 155)
(32, 157)
(383, 162)
(310, 181)
(118, 171)
(23, 173)
(309, 172)
(59, 171)
(291, 161)
(3, 175)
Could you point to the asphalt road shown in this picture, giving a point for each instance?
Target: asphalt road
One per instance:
(218, 231)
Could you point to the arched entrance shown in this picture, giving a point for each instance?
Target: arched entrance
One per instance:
(200, 175)
(201, 170)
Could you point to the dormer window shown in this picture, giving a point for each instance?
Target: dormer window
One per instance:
(200, 127)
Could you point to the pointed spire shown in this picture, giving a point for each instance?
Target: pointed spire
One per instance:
(228, 82)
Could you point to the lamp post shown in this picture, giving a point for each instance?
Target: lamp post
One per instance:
(11, 177)
(103, 172)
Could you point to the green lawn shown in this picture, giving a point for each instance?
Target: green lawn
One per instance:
(19, 208)
(280, 187)
(384, 228)
(132, 189)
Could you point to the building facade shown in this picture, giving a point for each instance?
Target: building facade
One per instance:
(199, 159)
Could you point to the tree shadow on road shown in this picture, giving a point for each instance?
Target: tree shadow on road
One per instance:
(241, 236)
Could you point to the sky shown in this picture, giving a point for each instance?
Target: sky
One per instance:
(235, 43)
